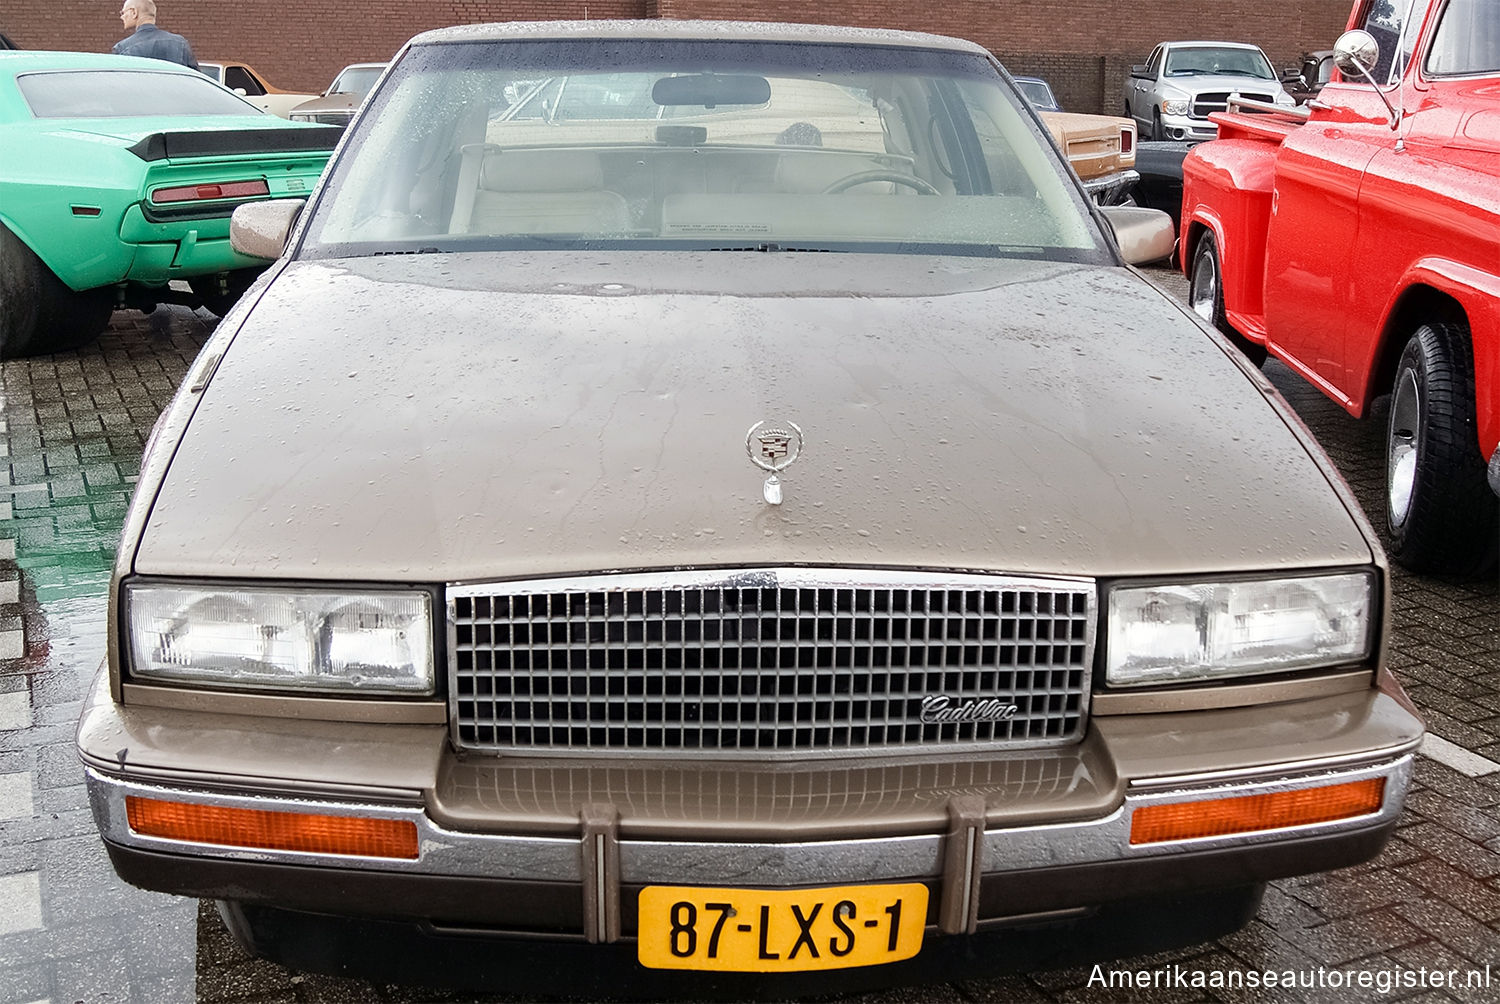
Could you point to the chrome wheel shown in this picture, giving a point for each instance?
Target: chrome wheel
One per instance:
(1203, 291)
(1401, 445)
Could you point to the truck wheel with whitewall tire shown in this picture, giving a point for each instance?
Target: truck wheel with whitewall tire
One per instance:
(1206, 296)
(38, 312)
(1442, 515)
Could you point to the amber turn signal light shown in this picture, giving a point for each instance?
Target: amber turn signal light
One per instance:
(280, 831)
(1249, 813)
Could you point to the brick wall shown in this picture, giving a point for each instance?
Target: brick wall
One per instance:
(1084, 47)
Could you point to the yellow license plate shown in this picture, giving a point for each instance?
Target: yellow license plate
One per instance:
(779, 930)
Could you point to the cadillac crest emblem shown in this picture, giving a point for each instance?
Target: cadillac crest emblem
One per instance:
(773, 447)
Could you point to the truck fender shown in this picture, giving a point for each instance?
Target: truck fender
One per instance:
(1431, 285)
(1227, 189)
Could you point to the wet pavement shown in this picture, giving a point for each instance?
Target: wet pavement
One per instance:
(73, 430)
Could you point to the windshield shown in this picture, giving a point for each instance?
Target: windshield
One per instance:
(1214, 59)
(1038, 93)
(356, 80)
(73, 94)
(704, 145)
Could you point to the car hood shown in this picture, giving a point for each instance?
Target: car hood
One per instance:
(1204, 83)
(458, 417)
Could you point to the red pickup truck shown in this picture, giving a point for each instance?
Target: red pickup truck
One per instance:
(1358, 241)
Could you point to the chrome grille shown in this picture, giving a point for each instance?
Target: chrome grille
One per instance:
(764, 661)
(1218, 101)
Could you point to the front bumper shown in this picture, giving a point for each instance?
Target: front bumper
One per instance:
(1183, 127)
(562, 848)
(527, 883)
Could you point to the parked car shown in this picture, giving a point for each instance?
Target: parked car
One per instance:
(119, 175)
(1305, 80)
(1100, 148)
(1038, 93)
(764, 554)
(1173, 93)
(342, 99)
(1355, 242)
(245, 81)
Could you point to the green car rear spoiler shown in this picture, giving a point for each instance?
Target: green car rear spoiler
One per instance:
(211, 143)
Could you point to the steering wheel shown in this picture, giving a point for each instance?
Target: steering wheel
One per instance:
(898, 177)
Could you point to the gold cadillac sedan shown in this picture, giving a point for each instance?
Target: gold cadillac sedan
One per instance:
(733, 522)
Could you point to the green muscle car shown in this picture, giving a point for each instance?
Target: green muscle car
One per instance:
(119, 176)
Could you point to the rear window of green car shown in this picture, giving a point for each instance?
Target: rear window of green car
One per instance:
(88, 94)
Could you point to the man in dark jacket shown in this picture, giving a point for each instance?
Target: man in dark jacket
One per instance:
(146, 39)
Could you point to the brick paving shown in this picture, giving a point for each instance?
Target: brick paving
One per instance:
(74, 426)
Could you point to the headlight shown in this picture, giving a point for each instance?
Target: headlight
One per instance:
(376, 642)
(1175, 105)
(1285, 100)
(300, 118)
(1204, 631)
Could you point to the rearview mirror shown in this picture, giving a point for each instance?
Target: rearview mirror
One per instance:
(261, 229)
(712, 89)
(1138, 70)
(1144, 235)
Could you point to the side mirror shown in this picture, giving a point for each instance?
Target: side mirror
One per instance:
(1144, 235)
(1138, 70)
(242, 92)
(1356, 54)
(260, 229)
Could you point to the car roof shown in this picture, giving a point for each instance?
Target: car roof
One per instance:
(362, 66)
(26, 60)
(708, 31)
(1215, 45)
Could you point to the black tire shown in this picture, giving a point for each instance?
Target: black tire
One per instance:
(1158, 131)
(241, 932)
(1441, 513)
(1206, 296)
(38, 312)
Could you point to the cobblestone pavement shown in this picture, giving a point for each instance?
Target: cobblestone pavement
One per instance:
(74, 427)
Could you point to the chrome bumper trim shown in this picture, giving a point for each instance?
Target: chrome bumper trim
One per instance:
(823, 862)
(1107, 189)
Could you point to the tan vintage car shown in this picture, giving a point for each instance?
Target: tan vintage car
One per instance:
(337, 105)
(732, 557)
(250, 84)
(1099, 148)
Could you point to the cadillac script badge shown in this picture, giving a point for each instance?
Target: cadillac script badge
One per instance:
(773, 446)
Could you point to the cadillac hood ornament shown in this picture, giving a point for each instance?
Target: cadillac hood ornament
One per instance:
(773, 446)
